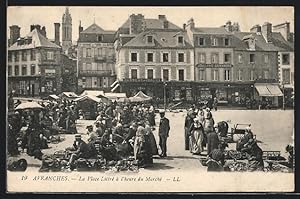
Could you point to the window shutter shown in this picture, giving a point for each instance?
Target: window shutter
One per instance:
(84, 52)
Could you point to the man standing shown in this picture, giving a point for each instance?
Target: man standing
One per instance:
(164, 128)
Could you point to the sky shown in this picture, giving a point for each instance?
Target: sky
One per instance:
(110, 18)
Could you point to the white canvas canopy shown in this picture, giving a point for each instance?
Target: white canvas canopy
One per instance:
(70, 95)
(140, 97)
(29, 105)
(92, 93)
(88, 97)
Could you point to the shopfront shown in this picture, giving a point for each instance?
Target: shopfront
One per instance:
(25, 86)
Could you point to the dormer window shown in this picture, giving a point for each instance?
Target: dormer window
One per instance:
(214, 42)
(180, 39)
(100, 38)
(226, 42)
(150, 39)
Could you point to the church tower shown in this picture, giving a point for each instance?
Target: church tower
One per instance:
(66, 30)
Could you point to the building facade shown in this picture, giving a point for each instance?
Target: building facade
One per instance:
(153, 54)
(95, 58)
(214, 60)
(34, 65)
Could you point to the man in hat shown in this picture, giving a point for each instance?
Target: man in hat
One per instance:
(164, 128)
(189, 120)
(80, 148)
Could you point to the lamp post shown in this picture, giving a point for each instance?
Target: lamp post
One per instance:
(165, 96)
(283, 100)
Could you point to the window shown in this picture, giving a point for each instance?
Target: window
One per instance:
(88, 52)
(226, 41)
(150, 73)
(266, 59)
(180, 39)
(214, 58)
(88, 82)
(133, 57)
(240, 75)
(252, 75)
(285, 59)
(32, 69)
(149, 57)
(9, 70)
(181, 75)
(32, 55)
(180, 57)
(84, 52)
(214, 42)
(252, 58)
(165, 57)
(226, 58)
(133, 73)
(165, 75)
(100, 38)
(17, 70)
(215, 75)
(24, 56)
(149, 39)
(9, 56)
(286, 76)
(88, 66)
(201, 41)
(17, 56)
(201, 74)
(240, 58)
(266, 74)
(50, 55)
(227, 75)
(24, 70)
(202, 58)
(99, 52)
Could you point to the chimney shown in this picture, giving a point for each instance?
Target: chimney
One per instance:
(228, 26)
(184, 26)
(267, 31)
(284, 29)
(56, 33)
(80, 27)
(137, 24)
(14, 33)
(191, 24)
(256, 28)
(43, 31)
(162, 17)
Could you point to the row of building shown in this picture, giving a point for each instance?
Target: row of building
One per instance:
(156, 56)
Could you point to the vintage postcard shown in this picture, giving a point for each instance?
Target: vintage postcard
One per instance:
(150, 99)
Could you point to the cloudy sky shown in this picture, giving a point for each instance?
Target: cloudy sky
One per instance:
(110, 18)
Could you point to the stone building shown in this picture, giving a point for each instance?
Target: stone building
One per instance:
(214, 60)
(95, 58)
(34, 65)
(151, 54)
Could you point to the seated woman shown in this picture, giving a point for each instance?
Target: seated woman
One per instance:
(142, 148)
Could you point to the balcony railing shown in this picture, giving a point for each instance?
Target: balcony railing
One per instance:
(143, 80)
(104, 58)
(95, 72)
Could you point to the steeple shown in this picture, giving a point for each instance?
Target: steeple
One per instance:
(66, 30)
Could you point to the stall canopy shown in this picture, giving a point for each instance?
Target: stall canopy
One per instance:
(53, 97)
(140, 97)
(268, 90)
(92, 93)
(70, 95)
(29, 105)
(88, 97)
(119, 97)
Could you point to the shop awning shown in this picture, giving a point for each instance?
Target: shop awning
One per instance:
(268, 90)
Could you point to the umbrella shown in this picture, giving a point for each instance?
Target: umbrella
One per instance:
(29, 105)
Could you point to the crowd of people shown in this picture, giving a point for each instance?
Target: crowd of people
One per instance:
(202, 131)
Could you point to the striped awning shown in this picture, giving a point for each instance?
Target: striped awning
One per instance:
(268, 90)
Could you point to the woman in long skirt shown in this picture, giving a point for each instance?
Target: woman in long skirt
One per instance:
(196, 137)
(149, 133)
